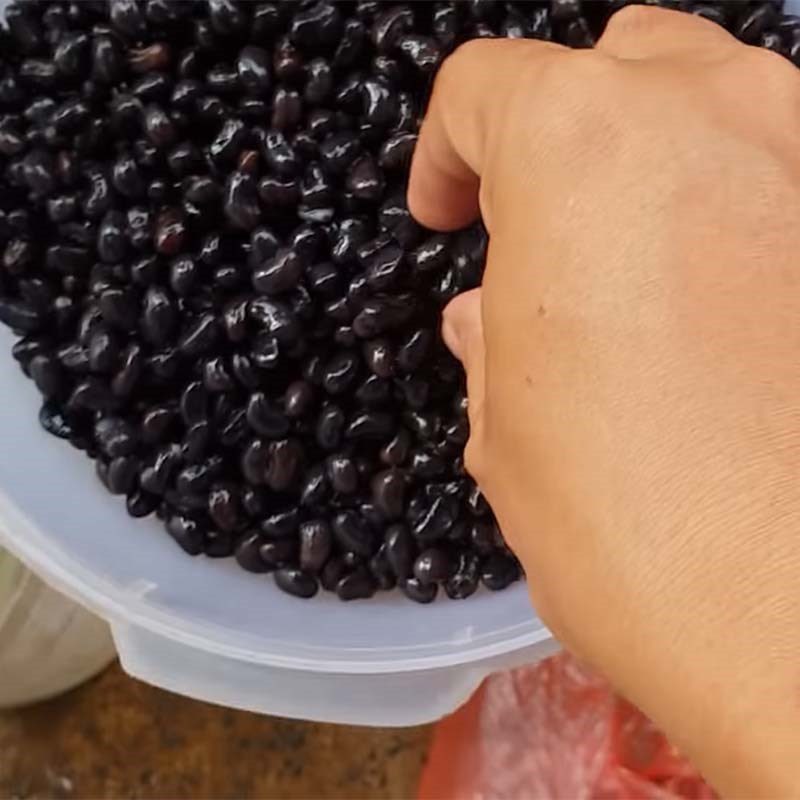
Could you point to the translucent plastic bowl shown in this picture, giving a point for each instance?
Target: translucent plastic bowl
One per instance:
(206, 628)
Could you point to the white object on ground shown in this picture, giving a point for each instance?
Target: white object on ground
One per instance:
(48, 644)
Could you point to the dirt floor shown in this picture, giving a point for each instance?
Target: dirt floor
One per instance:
(118, 738)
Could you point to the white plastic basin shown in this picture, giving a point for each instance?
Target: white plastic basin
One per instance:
(206, 628)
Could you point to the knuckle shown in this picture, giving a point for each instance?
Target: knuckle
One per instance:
(769, 67)
(452, 69)
(632, 19)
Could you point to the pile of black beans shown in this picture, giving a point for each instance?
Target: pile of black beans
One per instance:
(220, 292)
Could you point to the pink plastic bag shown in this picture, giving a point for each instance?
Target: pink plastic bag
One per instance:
(554, 730)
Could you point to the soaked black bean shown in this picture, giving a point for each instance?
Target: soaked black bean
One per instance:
(390, 25)
(122, 474)
(498, 571)
(358, 584)
(287, 110)
(463, 582)
(247, 553)
(265, 418)
(338, 150)
(350, 530)
(316, 545)
(420, 592)
(279, 155)
(281, 524)
(340, 372)
(432, 566)
(253, 68)
(241, 201)
(195, 442)
(296, 582)
(342, 474)
(141, 504)
(285, 461)
(364, 179)
(47, 374)
(317, 26)
(382, 313)
(187, 532)
(18, 256)
(103, 351)
(388, 493)
(20, 316)
(280, 273)
(275, 319)
(201, 335)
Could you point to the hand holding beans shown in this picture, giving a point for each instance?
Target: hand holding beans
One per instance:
(633, 382)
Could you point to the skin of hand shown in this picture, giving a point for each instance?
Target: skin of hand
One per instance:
(633, 361)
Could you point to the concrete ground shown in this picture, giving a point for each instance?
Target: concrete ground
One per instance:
(115, 737)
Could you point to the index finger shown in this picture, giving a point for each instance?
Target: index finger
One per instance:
(469, 102)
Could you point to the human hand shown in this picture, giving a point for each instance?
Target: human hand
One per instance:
(632, 360)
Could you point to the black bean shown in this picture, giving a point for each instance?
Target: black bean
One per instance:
(228, 141)
(338, 150)
(108, 63)
(266, 21)
(395, 217)
(317, 26)
(358, 584)
(141, 504)
(364, 179)
(122, 474)
(253, 67)
(279, 155)
(464, 579)
(130, 368)
(296, 582)
(264, 418)
(370, 425)
(432, 565)
(103, 351)
(71, 53)
(389, 25)
(20, 316)
(280, 273)
(281, 524)
(275, 319)
(46, 374)
(388, 492)
(187, 532)
(285, 460)
(200, 336)
(498, 571)
(340, 372)
(170, 232)
(152, 87)
(247, 553)
(127, 18)
(342, 474)
(278, 553)
(156, 423)
(241, 201)
(420, 592)
(287, 110)
(18, 256)
(352, 533)
(434, 523)
(316, 543)
(382, 313)
(753, 23)
(92, 394)
(53, 420)
(159, 316)
(415, 391)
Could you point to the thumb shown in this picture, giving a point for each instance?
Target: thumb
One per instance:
(462, 331)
